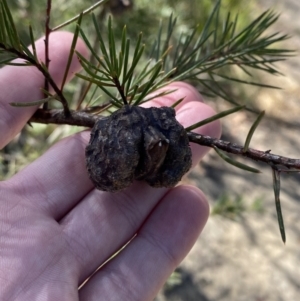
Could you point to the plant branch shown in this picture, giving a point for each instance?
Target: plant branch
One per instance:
(47, 60)
(256, 155)
(44, 71)
(57, 116)
(120, 89)
(85, 119)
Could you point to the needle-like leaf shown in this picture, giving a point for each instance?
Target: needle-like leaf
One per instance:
(32, 103)
(276, 186)
(72, 50)
(234, 162)
(213, 118)
(252, 130)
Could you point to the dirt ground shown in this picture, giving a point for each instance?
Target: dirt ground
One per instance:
(245, 259)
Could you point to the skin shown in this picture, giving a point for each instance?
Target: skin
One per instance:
(56, 229)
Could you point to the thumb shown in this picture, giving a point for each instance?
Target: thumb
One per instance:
(23, 84)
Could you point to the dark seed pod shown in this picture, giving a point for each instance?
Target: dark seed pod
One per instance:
(138, 143)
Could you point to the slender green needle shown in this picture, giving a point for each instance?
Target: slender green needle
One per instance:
(122, 52)
(252, 130)
(126, 59)
(32, 43)
(135, 89)
(248, 82)
(213, 118)
(139, 49)
(88, 44)
(32, 103)
(112, 49)
(26, 50)
(72, 50)
(235, 163)
(6, 61)
(10, 27)
(158, 41)
(276, 186)
(95, 81)
(149, 84)
(102, 44)
(175, 104)
(87, 11)
(157, 95)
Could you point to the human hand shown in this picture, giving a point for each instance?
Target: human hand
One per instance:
(56, 229)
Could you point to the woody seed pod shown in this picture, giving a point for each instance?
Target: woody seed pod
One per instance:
(136, 143)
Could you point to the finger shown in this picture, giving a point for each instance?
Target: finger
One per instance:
(103, 222)
(193, 112)
(181, 90)
(56, 181)
(61, 176)
(141, 269)
(188, 112)
(23, 84)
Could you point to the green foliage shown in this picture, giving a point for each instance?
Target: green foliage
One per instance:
(234, 207)
(117, 69)
(200, 56)
(229, 207)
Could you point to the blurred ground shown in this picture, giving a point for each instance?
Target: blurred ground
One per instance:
(245, 259)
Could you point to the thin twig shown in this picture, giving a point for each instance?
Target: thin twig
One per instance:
(47, 59)
(121, 90)
(57, 116)
(257, 155)
(88, 120)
